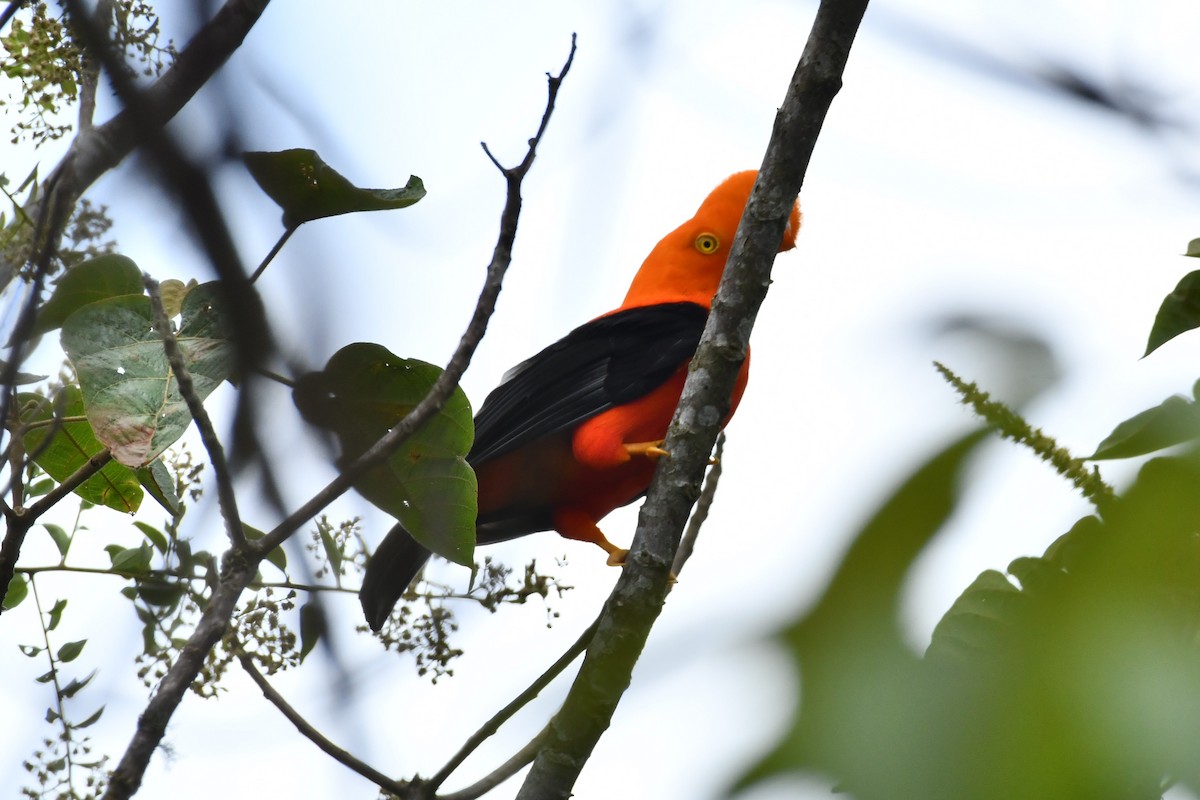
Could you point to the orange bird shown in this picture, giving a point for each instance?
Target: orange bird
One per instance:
(573, 432)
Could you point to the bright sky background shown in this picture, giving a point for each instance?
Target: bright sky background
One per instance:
(944, 184)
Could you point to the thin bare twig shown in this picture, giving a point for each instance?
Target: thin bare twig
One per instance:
(445, 384)
(700, 514)
(637, 598)
(287, 234)
(226, 496)
(398, 788)
(240, 564)
(520, 701)
(500, 774)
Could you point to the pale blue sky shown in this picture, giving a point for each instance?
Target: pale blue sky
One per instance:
(943, 184)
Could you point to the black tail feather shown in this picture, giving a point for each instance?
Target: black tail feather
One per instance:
(389, 572)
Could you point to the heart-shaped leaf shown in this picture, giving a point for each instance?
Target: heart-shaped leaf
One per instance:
(97, 279)
(426, 484)
(307, 188)
(62, 443)
(130, 394)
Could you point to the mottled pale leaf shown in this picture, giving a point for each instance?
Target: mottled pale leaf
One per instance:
(307, 188)
(130, 393)
(427, 484)
(97, 279)
(1193, 248)
(71, 444)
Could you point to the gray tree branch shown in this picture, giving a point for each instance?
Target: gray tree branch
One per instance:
(638, 596)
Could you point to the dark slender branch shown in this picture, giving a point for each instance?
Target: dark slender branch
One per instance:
(226, 496)
(709, 493)
(70, 484)
(240, 564)
(638, 596)
(9, 11)
(500, 774)
(446, 383)
(398, 788)
(287, 234)
(520, 701)
(20, 520)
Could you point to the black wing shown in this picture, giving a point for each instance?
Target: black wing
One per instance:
(602, 364)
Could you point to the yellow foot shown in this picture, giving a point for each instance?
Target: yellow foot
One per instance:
(651, 450)
(617, 556)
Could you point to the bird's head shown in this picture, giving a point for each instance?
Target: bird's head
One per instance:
(687, 264)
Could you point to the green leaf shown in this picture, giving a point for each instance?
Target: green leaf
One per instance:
(312, 627)
(1179, 312)
(73, 688)
(860, 682)
(30, 650)
(277, 556)
(18, 590)
(22, 378)
(92, 720)
(427, 484)
(131, 560)
(976, 621)
(71, 444)
(130, 393)
(332, 551)
(307, 188)
(1175, 421)
(1193, 248)
(157, 481)
(90, 282)
(156, 537)
(160, 594)
(71, 650)
(56, 614)
(62, 539)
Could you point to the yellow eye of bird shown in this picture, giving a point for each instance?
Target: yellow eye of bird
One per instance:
(707, 243)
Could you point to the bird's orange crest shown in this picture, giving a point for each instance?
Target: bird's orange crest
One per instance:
(687, 264)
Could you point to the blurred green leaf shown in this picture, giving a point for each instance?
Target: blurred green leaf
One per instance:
(307, 188)
(156, 537)
(63, 443)
(1179, 312)
(71, 650)
(277, 556)
(62, 539)
(130, 393)
(312, 627)
(131, 560)
(22, 378)
(1193, 248)
(55, 614)
(18, 590)
(427, 484)
(1175, 421)
(97, 279)
(158, 483)
(91, 720)
(73, 688)
(858, 677)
